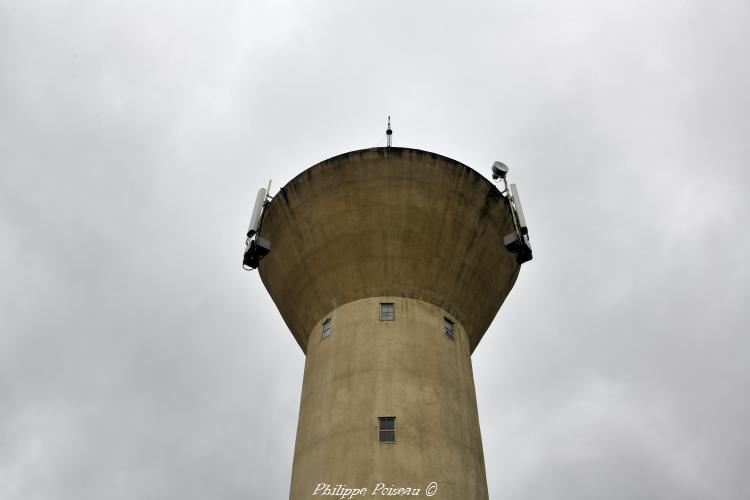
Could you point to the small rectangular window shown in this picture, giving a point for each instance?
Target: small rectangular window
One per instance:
(326, 328)
(387, 429)
(448, 327)
(387, 312)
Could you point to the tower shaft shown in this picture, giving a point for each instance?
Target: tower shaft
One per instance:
(408, 368)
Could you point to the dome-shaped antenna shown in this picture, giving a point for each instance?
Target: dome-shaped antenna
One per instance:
(499, 170)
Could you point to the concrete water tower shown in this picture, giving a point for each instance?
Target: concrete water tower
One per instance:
(388, 265)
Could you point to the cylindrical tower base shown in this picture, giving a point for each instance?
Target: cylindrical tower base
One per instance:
(415, 367)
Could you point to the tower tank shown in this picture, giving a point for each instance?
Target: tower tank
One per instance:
(388, 265)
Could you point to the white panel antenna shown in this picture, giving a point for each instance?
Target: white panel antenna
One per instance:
(519, 210)
(257, 211)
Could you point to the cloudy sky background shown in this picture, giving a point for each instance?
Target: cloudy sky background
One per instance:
(137, 359)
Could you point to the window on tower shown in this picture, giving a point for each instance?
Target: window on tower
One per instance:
(387, 311)
(448, 324)
(326, 328)
(386, 429)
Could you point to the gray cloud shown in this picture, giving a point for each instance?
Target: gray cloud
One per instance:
(138, 361)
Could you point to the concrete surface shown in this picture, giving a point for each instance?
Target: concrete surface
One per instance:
(388, 221)
(407, 368)
(388, 225)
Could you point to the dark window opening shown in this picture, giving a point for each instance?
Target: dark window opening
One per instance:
(387, 312)
(448, 327)
(326, 328)
(387, 429)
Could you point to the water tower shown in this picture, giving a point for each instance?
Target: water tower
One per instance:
(388, 265)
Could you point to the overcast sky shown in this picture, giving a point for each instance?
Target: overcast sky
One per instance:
(138, 360)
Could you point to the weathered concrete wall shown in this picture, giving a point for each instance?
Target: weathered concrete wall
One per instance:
(407, 368)
(426, 233)
(388, 221)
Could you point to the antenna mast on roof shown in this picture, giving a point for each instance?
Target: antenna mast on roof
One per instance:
(389, 132)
